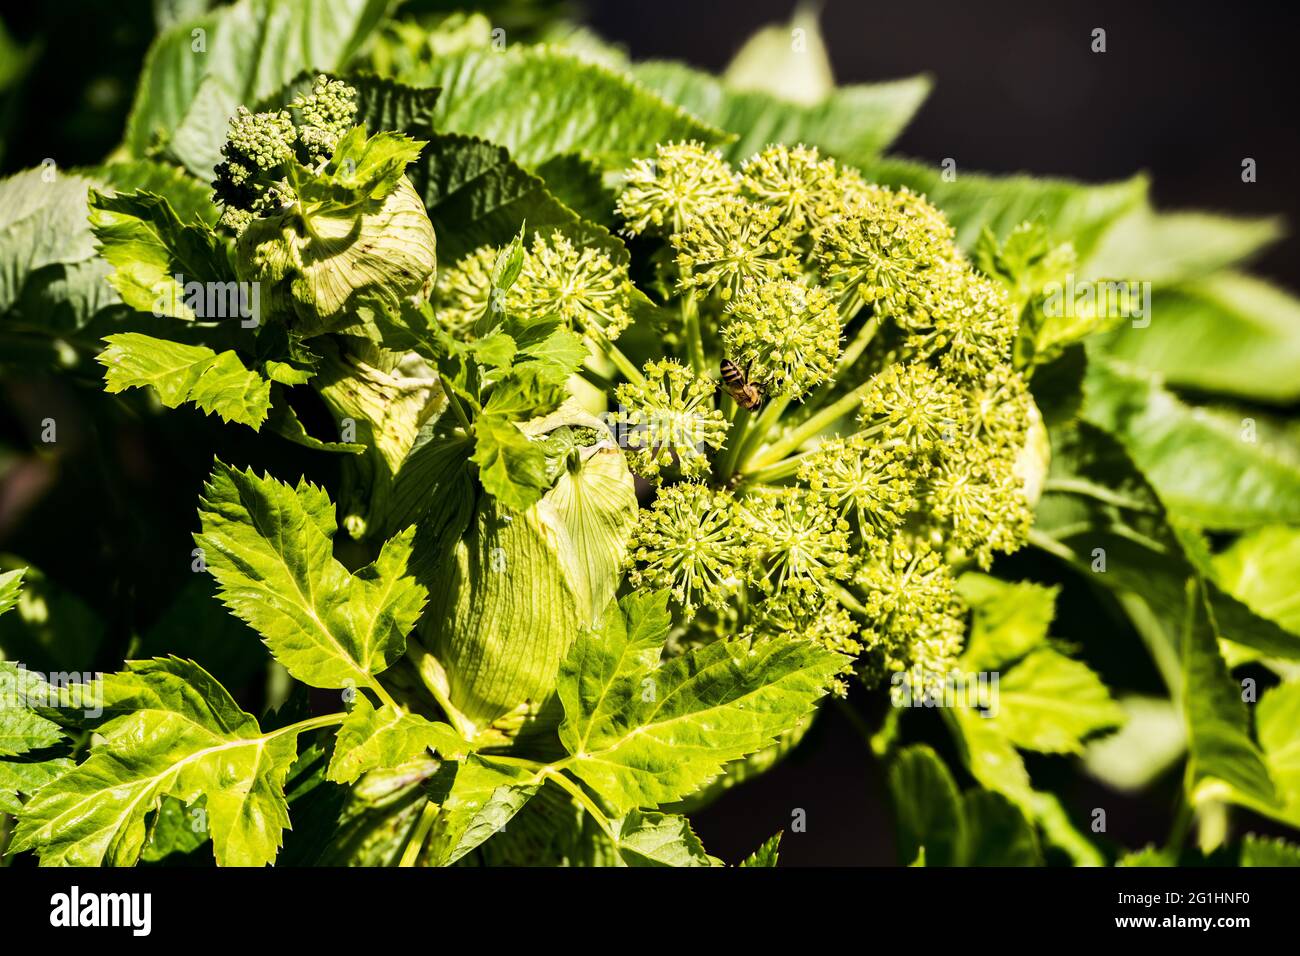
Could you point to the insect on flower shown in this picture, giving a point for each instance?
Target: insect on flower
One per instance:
(744, 392)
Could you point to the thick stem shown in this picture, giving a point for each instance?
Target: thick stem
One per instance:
(825, 418)
(420, 834)
(781, 469)
(694, 336)
(739, 431)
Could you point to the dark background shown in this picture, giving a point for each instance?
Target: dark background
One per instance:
(1184, 91)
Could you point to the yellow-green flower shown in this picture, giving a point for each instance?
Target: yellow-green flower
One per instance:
(874, 480)
(661, 194)
(915, 405)
(785, 334)
(731, 242)
(670, 421)
(691, 542)
(796, 181)
(583, 286)
(800, 537)
(461, 293)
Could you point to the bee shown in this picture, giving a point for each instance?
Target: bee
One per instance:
(745, 393)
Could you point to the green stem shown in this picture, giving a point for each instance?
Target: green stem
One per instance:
(813, 426)
(763, 426)
(311, 723)
(420, 834)
(781, 469)
(735, 441)
(847, 359)
(575, 791)
(1078, 486)
(430, 671)
(454, 403)
(694, 337)
(621, 361)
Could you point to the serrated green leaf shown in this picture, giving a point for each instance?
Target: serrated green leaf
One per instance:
(1226, 332)
(24, 778)
(511, 466)
(268, 544)
(1050, 703)
(1268, 851)
(11, 586)
(767, 854)
(477, 195)
(1009, 619)
(382, 103)
(175, 731)
(155, 255)
(1260, 569)
(642, 734)
(1207, 467)
(1148, 856)
(176, 829)
(996, 764)
(928, 808)
(853, 122)
(372, 739)
(540, 102)
(476, 797)
(577, 181)
(189, 196)
(218, 383)
(660, 839)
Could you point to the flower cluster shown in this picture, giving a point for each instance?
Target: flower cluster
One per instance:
(824, 295)
(581, 285)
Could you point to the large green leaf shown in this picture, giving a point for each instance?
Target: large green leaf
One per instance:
(642, 732)
(1049, 702)
(660, 839)
(1075, 211)
(386, 738)
(1208, 467)
(1226, 332)
(477, 195)
(476, 797)
(42, 224)
(269, 546)
(1261, 569)
(197, 73)
(541, 102)
(853, 122)
(546, 572)
(217, 382)
(1164, 248)
(1102, 516)
(174, 731)
(155, 255)
(997, 832)
(928, 808)
(1221, 751)
(1008, 619)
(1277, 723)
(22, 729)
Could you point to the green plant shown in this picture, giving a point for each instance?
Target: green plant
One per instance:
(648, 418)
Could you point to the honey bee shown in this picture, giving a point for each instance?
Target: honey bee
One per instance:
(745, 393)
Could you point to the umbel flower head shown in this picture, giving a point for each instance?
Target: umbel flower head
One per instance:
(670, 420)
(912, 604)
(460, 295)
(795, 181)
(972, 324)
(885, 252)
(692, 542)
(913, 404)
(731, 242)
(800, 537)
(661, 194)
(581, 286)
(802, 609)
(876, 481)
(785, 334)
